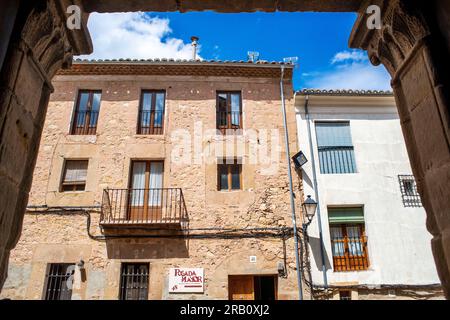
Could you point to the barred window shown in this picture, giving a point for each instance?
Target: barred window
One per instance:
(334, 142)
(74, 176)
(134, 281)
(408, 188)
(59, 281)
(86, 112)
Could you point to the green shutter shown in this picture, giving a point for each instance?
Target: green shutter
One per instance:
(345, 215)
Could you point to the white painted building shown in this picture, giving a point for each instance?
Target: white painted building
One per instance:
(373, 224)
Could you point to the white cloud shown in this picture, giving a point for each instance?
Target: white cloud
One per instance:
(134, 35)
(353, 55)
(350, 70)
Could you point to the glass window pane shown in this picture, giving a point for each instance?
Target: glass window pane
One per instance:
(83, 102)
(235, 109)
(76, 171)
(159, 110)
(223, 177)
(147, 101)
(235, 178)
(145, 109)
(96, 97)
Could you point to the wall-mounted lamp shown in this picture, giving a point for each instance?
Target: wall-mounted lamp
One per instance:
(281, 269)
(299, 159)
(309, 208)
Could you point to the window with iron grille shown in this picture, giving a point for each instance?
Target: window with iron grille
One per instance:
(348, 239)
(59, 281)
(336, 152)
(86, 112)
(74, 175)
(151, 112)
(408, 188)
(134, 281)
(229, 111)
(229, 175)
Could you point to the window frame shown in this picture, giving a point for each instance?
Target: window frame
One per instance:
(151, 130)
(229, 167)
(229, 126)
(347, 260)
(86, 129)
(123, 291)
(74, 184)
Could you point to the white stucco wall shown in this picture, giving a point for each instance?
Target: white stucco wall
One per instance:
(398, 242)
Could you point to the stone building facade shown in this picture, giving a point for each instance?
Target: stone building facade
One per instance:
(88, 170)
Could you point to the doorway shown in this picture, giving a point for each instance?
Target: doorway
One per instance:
(252, 287)
(146, 191)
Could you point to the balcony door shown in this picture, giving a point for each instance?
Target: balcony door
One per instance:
(146, 190)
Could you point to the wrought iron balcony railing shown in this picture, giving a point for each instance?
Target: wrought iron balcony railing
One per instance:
(143, 207)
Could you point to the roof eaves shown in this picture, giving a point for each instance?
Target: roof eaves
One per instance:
(349, 92)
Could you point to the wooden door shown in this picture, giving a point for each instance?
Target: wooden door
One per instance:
(241, 288)
(146, 191)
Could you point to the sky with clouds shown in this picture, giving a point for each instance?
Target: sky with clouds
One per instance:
(319, 40)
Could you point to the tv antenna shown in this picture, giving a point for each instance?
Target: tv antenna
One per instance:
(253, 56)
(291, 60)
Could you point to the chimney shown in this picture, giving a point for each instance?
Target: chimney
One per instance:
(194, 44)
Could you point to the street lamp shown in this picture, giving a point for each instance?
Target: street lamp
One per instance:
(309, 208)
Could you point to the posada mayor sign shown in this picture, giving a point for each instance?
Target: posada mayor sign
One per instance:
(186, 280)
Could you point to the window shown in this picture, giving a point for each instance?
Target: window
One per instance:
(134, 279)
(334, 142)
(59, 280)
(229, 175)
(348, 239)
(86, 112)
(146, 194)
(151, 112)
(408, 188)
(345, 295)
(74, 176)
(228, 111)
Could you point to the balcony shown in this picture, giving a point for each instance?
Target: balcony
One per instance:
(159, 208)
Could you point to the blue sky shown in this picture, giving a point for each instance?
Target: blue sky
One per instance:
(319, 40)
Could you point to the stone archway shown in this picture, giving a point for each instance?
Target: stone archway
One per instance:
(413, 44)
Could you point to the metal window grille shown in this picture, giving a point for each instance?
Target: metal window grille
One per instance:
(134, 281)
(349, 247)
(408, 188)
(59, 281)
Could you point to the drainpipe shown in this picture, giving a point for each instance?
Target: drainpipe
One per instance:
(288, 159)
(316, 193)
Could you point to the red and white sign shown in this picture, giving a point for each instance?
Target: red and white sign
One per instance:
(186, 280)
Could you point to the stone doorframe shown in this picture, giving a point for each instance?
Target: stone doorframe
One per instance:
(413, 44)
